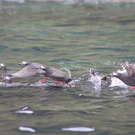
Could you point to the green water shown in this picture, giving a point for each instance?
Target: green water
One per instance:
(78, 38)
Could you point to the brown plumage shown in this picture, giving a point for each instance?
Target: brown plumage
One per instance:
(30, 70)
(128, 77)
(55, 74)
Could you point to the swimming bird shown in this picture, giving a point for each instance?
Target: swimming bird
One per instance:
(30, 70)
(5, 72)
(10, 83)
(127, 77)
(56, 74)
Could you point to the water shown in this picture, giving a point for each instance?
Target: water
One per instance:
(76, 37)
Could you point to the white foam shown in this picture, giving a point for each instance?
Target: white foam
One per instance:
(25, 111)
(27, 129)
(117, 82)
(96, 80)
(79, 129)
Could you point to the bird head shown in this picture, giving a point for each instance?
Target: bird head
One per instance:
(2, 65)
(42, 67)
(25, 63)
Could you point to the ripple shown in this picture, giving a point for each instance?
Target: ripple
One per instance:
(111, 49)
(126, 21)
(42, 49)
(2, 47)
(61, 59)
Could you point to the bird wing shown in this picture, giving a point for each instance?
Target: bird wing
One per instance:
(25, 72)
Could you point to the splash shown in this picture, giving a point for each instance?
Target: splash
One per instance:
(95, 79)
(99, 83)
(117, 82)
(69, 72)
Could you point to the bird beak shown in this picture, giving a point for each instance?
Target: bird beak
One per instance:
(105, 77)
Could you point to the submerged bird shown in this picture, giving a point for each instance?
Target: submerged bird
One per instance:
(30, 70)
(56, 74)
(5, 72)
(127, 77)
(10, 83)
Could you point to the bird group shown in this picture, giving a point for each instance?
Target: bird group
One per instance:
(34, 68)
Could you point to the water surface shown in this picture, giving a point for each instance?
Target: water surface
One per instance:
(77, 37)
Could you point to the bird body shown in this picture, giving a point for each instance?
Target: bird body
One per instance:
(55, 74)
(30, 70)
(127, 77)
(34, 68)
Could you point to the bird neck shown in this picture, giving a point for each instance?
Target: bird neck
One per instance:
(4, 70)
(48, 70)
